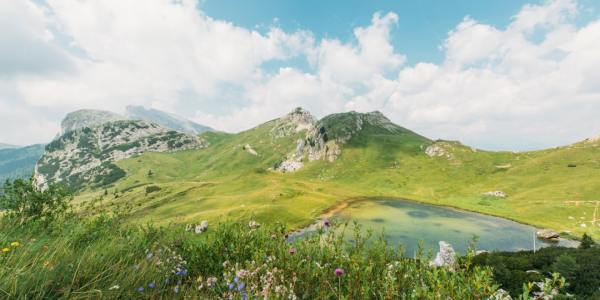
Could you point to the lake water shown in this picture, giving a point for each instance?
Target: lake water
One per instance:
(407, 223)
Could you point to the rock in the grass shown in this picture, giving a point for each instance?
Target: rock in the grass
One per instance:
(500, 294)
(202, 227)
(446, 257)
(497, 194)
(547, 234)
(253, 224)
(249, 149)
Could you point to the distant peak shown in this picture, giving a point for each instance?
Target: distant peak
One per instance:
(86, 118)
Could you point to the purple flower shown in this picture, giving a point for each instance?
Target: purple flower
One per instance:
(244, 296)
(326, 222)
(241, 286)
(231, 286)
(339, 272)
(152, 285)
(140, 289)
(236, 280)
(292, 250)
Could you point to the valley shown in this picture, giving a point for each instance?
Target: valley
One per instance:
(376, 159)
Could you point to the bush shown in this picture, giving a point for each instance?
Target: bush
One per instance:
(152, 189)
(23, 202)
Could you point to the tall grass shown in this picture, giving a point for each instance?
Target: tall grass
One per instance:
(101, 257)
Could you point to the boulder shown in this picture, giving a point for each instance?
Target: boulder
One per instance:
(446, 257)
(500, 294)
(197, 228)
(253, 224)
(547, 234)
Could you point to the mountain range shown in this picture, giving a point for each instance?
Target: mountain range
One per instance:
(19, 162)
(295, 167)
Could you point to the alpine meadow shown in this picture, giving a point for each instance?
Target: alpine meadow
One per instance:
(299, 150)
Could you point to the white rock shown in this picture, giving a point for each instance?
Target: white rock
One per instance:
(497, 194)
(446, 257)
(500, 294)
(202, 227)
(253, 224)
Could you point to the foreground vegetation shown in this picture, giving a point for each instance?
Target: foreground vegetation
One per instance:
(50, 252)
(580, 267)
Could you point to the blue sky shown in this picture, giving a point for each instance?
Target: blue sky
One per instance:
(502, 75)
(423, 25)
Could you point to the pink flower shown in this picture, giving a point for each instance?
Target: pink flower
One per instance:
(326, 222)
(339, 272)
(292, 250)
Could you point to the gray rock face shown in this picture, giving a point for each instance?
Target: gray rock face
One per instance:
(547, 234)
(85, 156)
(294, 122)
(324, 139)
(439, 149)
(87, 118)
(446, 257)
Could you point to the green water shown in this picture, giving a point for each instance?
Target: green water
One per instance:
(406, 223)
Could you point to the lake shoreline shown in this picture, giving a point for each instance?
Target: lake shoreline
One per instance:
(345, 204)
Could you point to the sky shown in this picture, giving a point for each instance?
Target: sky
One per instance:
(497, 75)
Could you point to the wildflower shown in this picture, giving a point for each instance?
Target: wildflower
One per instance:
(140, 289)
(244, 296)
(236, 280)
(114, 287)
(152, 285)
(292, 250)
(241, 286)
(15, 244)
(5, 250)
(149, 255)
(231, 286)
(176, 290)
(326, 222)
(339, 272)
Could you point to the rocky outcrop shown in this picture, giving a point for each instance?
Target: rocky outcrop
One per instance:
(85, 156)
(87, 118)
(500, 294)
(547, 234)
(324, 140)
(446, 257)
(439, 149)
(496, 194)
(296, 121)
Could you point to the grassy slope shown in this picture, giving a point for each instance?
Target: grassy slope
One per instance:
(225, 181)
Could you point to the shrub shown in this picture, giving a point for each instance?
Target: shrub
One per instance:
(152, 189)
(22, 201)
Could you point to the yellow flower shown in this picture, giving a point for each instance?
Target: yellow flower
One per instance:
(15, 244)
(5, 250)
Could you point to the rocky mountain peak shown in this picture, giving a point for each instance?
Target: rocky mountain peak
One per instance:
(297, 120)
(86, 118)
(84, 156)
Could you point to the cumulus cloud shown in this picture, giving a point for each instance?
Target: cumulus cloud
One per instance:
(534, 83)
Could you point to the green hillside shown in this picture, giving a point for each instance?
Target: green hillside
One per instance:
(378, 160)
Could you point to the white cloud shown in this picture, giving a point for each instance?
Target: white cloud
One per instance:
(534, 83)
